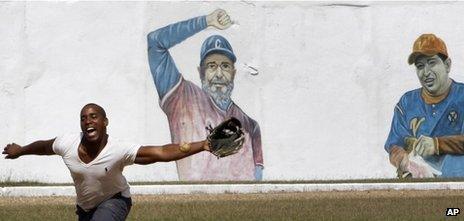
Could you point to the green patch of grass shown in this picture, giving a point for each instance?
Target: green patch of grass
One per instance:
(27, 212)
(366, 205)
(429, 208)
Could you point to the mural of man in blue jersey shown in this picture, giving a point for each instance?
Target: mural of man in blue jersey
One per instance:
(429, 121)
(190, 108)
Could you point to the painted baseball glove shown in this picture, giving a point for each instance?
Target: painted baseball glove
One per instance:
(227, 138)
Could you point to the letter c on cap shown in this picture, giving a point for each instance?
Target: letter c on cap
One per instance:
(217, 43)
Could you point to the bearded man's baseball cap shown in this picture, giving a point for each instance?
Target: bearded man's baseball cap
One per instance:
(216, 44)
(427, 44)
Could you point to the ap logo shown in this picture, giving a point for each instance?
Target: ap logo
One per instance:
(452, 211)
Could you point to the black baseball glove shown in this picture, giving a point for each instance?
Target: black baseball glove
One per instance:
(227, 138)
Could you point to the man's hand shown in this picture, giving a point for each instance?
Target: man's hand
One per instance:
(12, 151)
(398, 157)
(426, 146)
(219, 19)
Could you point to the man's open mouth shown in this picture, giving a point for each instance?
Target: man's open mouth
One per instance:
(91, 131)
(429, 81)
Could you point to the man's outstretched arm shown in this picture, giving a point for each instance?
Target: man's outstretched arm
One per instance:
(168, 152)
(163, 69)
(41, 147)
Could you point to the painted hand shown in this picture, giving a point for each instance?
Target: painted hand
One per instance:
(426, 146)
(219, 19)
(12, 151)
(259, 172)
(398, 157)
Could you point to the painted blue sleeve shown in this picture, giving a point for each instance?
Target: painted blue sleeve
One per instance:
(259, 172)
(163, 69)
(399, 129)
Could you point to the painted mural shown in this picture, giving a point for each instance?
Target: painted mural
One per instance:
(322, 89)
(191, 108)
(426, 138)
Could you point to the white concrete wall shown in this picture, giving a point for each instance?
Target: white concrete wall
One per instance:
(329, 77)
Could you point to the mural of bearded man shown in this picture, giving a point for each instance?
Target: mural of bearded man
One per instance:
(190, 109)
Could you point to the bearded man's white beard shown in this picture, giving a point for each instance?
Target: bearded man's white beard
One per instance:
(221, 96)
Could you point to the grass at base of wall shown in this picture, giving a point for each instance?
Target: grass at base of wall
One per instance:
(335, 205)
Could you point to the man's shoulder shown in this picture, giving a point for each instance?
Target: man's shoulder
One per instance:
(411, 96)
(66, 142)
(118, 143)
(409, 101)
(458, 85)
(70, 136)
(184, 89)
(457, 91)
(187, 87)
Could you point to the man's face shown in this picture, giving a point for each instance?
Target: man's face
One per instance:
(218, 78)
(219, 72)
(93, 124)
(433, 73)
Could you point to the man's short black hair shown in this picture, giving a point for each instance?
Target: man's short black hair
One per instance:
(443, 57)
(96, 106)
